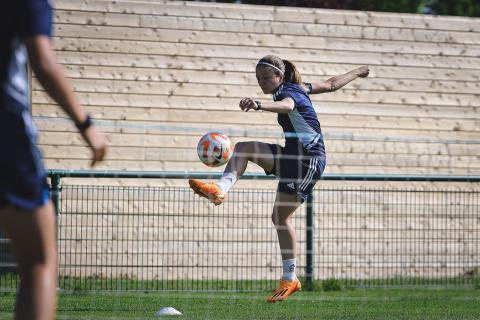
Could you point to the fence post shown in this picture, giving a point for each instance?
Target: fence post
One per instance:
(55, 179)
(56, 189)
(309, 254)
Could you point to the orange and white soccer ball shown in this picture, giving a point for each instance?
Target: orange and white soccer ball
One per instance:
(214, 149)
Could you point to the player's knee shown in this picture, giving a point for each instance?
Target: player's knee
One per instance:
(38, 258)
(278, 220)
(244, 149)
(274, 219)
(239, 147)
(35, 270)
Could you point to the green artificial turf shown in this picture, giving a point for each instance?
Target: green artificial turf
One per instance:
(369, 304)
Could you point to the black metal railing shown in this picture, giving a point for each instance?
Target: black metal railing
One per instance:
(165, 238)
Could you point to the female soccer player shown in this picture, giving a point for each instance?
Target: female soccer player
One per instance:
(26, 213)
(298, 165)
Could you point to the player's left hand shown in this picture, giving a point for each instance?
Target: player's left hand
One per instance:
(363, 71)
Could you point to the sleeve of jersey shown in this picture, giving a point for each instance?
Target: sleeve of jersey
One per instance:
(294, 95)
(38, 14)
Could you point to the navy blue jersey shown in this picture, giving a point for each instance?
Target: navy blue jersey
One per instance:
(301, 127)
(19, 19)
(22, 174)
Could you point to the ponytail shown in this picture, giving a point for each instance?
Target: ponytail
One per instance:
(291, 73)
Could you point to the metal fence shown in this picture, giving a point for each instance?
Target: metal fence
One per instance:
(165, 238)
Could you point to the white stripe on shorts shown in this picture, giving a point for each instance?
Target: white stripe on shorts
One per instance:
(311, 171)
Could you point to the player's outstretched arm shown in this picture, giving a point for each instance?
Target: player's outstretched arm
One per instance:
(51, 77)
(339, 81)
(283, 106)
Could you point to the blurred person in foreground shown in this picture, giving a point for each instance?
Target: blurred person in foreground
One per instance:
(26, 211)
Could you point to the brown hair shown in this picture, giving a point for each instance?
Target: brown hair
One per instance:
(288, 69)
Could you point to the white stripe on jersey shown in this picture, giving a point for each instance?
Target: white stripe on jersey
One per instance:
(305, 133)
(314, 141)
(16, 85)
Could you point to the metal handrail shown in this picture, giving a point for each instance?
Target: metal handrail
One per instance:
(256, 176)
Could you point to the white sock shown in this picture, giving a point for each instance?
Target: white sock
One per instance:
(227, 181)
(289, 267)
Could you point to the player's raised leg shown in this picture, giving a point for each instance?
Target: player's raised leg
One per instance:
(257, 152)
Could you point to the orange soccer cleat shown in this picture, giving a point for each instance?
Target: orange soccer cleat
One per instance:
(284, 290)
(208, 190)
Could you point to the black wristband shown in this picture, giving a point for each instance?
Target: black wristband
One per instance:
(259, 105)
(82, 126)
(309, 87)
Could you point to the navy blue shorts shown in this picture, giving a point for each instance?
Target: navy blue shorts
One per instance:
(297, 173)
(23, 181)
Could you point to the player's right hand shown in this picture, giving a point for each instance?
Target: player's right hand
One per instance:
(247, 104)
(98, 142)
